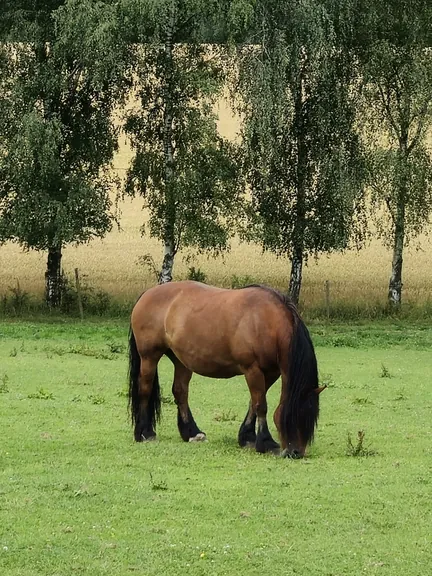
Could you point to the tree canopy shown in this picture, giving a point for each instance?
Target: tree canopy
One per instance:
(303, 154)
(59, 137)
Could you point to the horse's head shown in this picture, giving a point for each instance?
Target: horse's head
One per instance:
(296, 423)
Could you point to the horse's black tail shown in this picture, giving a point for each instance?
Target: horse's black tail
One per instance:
(154, 402)
(300, 408)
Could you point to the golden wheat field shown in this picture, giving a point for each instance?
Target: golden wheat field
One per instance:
(112, 264)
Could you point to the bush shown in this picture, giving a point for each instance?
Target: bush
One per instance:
(241, 281)
(94, 302)
(197, 274)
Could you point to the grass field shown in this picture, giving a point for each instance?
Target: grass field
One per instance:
(78, 496)
(112, 264)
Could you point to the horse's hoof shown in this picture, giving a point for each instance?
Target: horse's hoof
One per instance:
(249, 445)
(149, 439)
(201, 437)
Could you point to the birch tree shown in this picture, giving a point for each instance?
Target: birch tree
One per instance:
(60, 139)
(183, 169)
(398, 80)
(303, 155)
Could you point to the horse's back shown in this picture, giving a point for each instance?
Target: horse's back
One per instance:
(213, 331)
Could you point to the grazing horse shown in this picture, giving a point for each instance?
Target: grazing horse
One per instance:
(219, 333)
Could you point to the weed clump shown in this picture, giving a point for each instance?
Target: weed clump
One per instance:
(385, 373)
(358, 449)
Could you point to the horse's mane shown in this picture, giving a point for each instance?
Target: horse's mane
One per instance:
(300, 408)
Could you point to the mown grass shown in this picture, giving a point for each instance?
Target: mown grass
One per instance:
(79, 497)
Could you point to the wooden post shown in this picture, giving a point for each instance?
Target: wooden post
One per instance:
(327, 298)
(78, 289)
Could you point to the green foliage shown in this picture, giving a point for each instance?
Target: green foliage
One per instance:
(397, 72)
(65, 75)
(385, 372)
(4, 388)
(157, 484)
(186, 173)
(303, 157)
(399, 99)
(94, 302)
(96, 399)
(241, 281)
(226, 416)
(197, 274)
(41, 394)
(358, 449)
(18, 301)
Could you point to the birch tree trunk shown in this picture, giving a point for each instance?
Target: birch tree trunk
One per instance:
(395, 284)
(53, 277)
(301, 168)
(170, 212)
(296, 276)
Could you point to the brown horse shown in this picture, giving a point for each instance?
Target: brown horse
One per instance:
(254, 331)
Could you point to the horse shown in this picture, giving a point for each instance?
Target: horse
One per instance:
(220, 333)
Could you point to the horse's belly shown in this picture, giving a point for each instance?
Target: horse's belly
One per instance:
(218, 371)
(207, 365)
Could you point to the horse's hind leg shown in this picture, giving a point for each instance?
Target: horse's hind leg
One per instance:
(258, 389)
(188, 429)
(148, 405)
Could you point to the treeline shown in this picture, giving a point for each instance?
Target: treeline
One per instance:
(335, 98)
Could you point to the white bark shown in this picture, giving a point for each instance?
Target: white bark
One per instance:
(296, 277)
(169, 241)
(395, 284)
(168, 263)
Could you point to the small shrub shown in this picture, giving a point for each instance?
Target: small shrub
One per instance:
(241, 281)
(327, 380)
(148, 262)
(19, 299)
(385, 373)
(169, 400)
(95, 302)
(358, 449)
(85, 350)
(13, 352)
(157, 484)
(362, 401)
(96, 399)
(197, 274)
(41, 394)
(227, 416)
(54, 350)
(4, 388)
(116, 348)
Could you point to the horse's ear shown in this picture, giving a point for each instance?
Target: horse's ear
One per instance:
(320, 389)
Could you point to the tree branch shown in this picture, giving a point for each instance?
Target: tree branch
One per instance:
(420, 126)
(386, 103)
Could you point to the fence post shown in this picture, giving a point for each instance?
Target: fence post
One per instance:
(327, 298)
(78, 289)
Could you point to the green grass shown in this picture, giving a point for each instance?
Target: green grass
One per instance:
(77, 496)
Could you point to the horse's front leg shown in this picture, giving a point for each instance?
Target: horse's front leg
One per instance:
(187, 426)
(258, 389)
